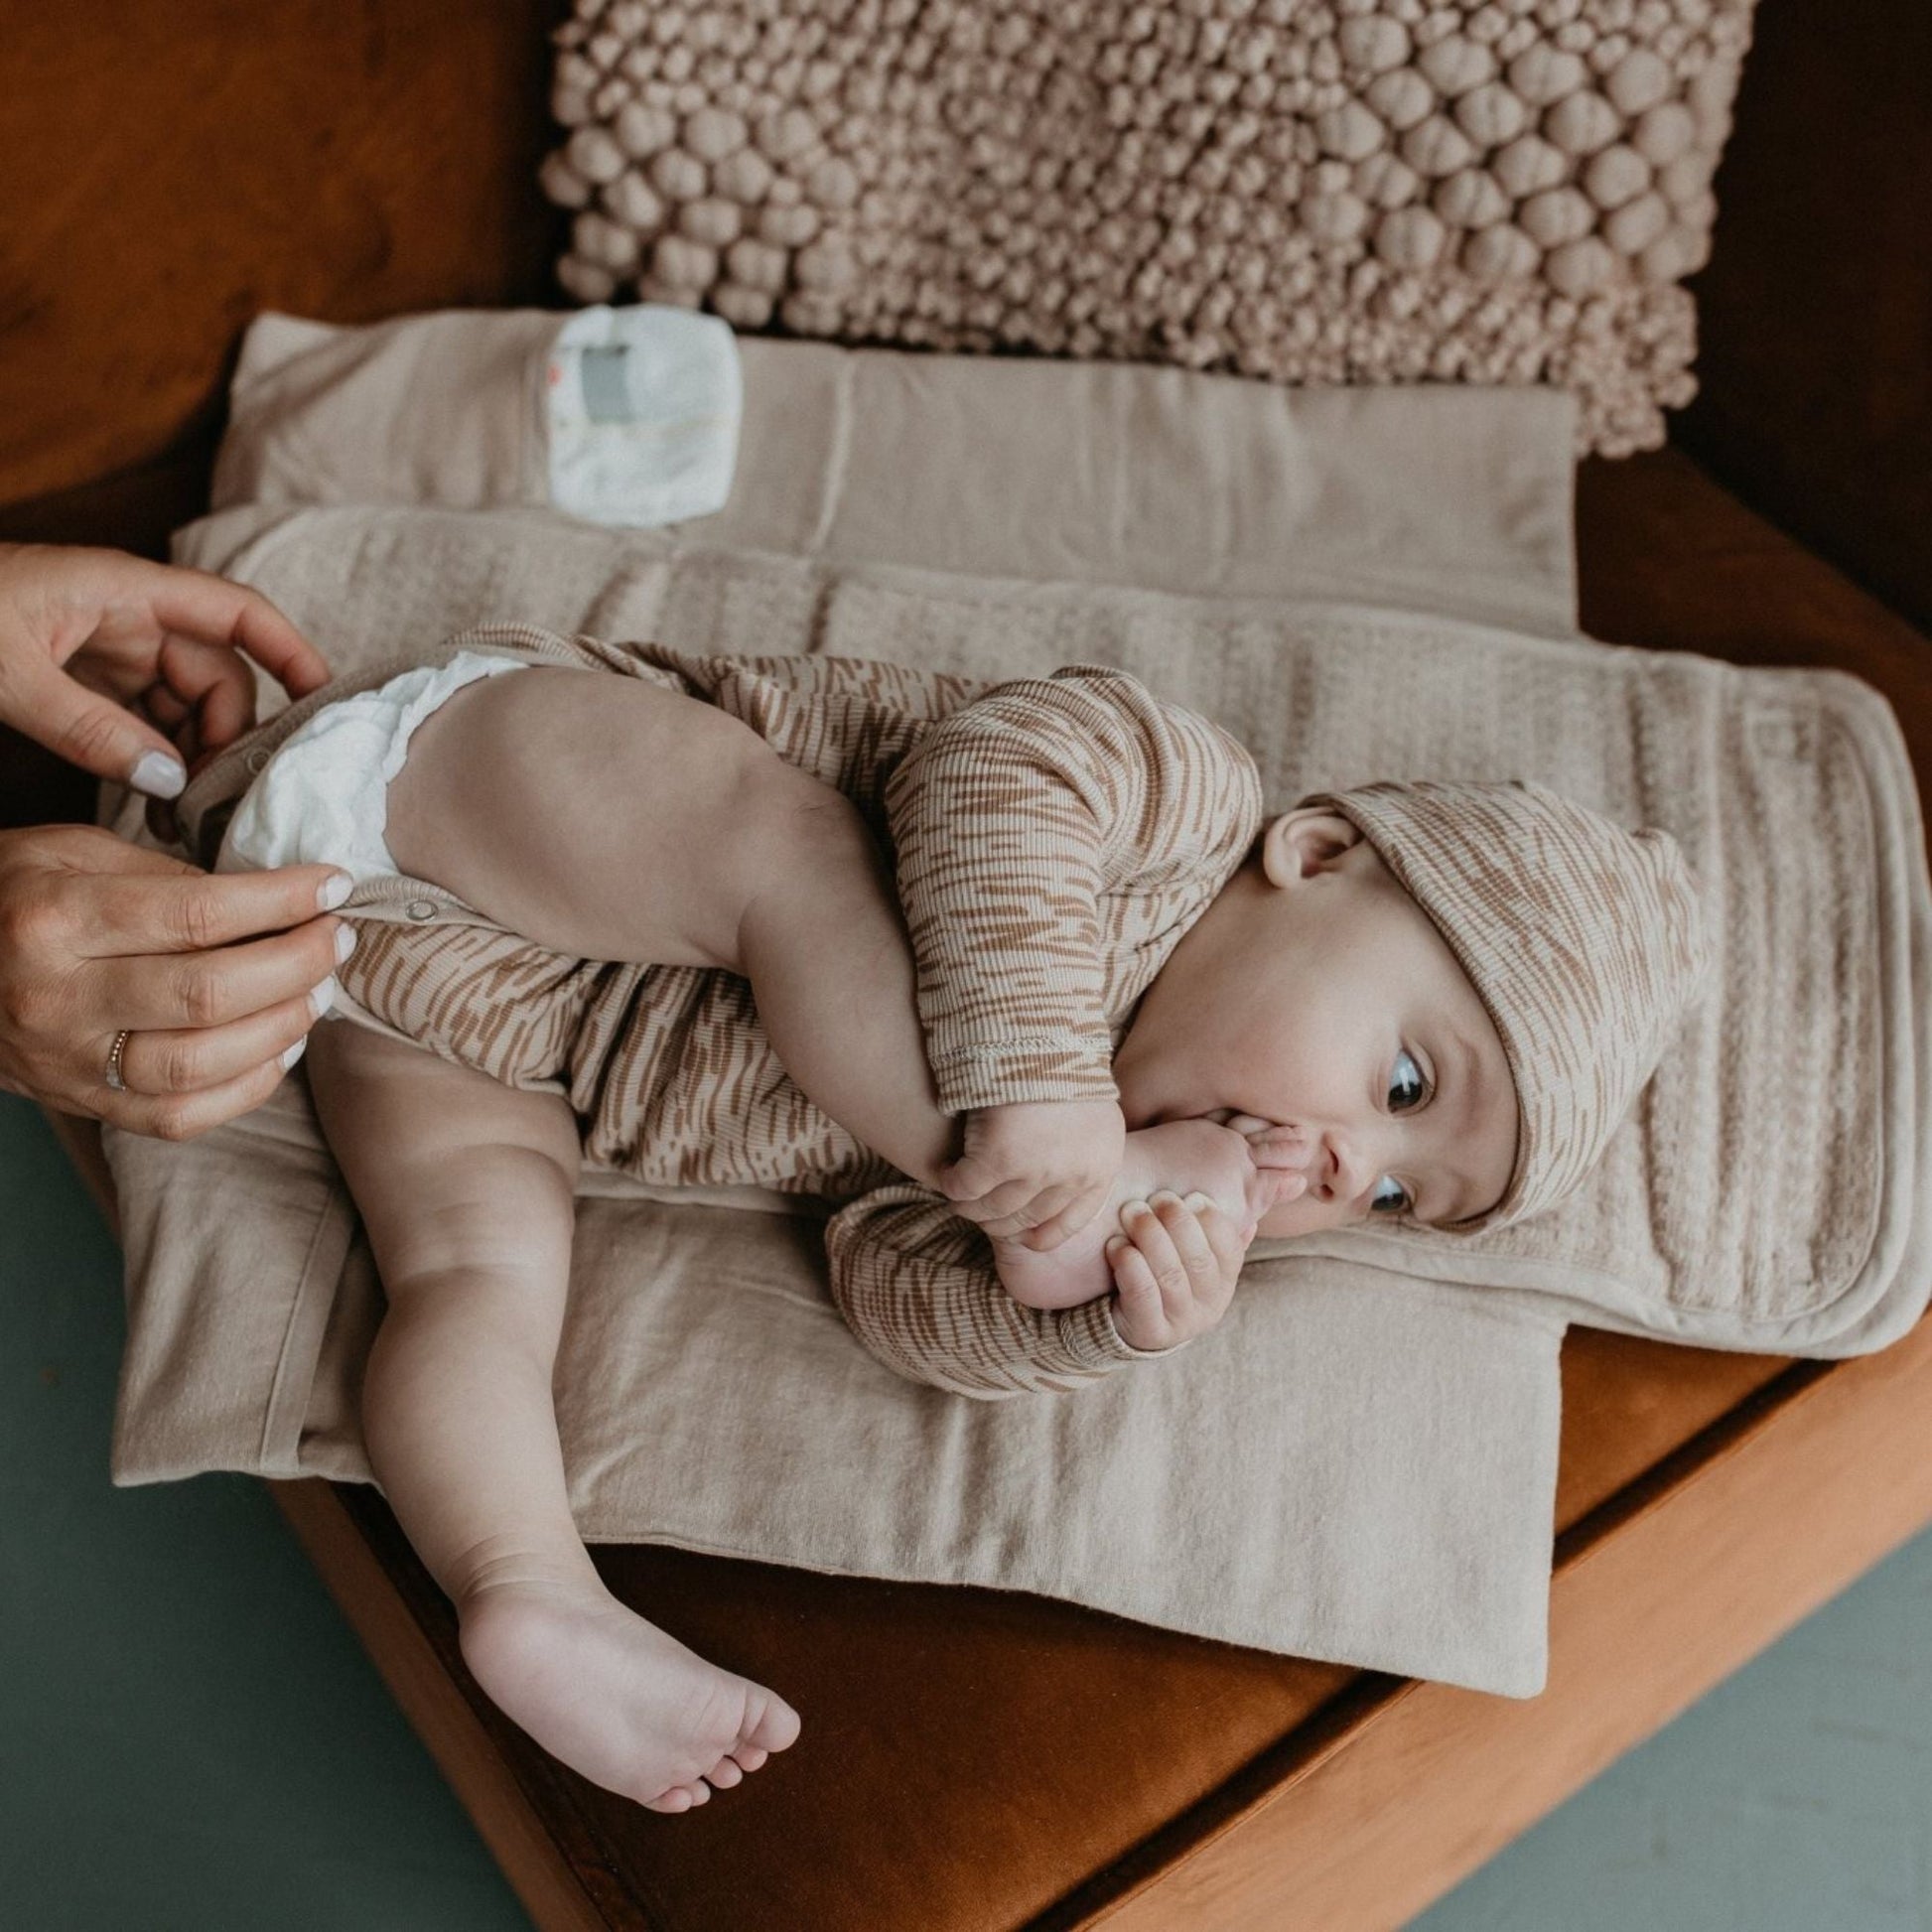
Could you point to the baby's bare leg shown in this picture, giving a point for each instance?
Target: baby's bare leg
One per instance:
(466, 1188)
(613, 819)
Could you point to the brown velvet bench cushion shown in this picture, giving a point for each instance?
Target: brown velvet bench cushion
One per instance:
(974, 1759)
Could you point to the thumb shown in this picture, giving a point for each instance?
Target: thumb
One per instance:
(965, 1179)
(96, 734)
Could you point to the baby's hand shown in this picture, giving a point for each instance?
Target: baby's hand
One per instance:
(1174, 1269)
(1038, 1170)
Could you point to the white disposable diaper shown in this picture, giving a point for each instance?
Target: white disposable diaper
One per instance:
(324, 798)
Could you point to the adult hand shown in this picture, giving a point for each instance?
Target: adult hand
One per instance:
(97, 936)
(136, 671)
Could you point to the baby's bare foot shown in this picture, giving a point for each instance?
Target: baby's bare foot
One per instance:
(617, 1697)
(1182, 1156)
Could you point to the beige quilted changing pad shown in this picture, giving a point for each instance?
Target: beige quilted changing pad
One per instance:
(1359, 1464)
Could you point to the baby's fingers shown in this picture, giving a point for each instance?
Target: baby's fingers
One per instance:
(1068, 1211)
(1198, 1298)
(1139, 1313)
(1227, 1237)
(1172, 1263)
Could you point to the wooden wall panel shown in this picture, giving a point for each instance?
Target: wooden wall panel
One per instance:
(1815, 314)
(173, 167)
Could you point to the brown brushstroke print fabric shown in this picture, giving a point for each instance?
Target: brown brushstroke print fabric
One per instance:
(1053, 836)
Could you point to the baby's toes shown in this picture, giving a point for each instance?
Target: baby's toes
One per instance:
(725, 1774)
(677, 1798)
(747, 1758)
(770, 1725)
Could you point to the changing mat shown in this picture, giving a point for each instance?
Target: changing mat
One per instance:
(1359, 1464)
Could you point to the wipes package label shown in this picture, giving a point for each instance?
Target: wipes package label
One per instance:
(642, 406)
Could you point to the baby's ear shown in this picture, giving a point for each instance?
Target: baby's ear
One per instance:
(1299, 843)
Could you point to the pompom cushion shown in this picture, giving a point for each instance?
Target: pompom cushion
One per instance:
(1374, 191)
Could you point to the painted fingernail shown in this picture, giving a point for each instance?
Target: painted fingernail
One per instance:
(1200, 1203)
(295, 1052)
(334, 890)
(158, 775)
(344, 942)
(324, 997)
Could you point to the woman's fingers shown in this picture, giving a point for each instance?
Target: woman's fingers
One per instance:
(191, 1059)
(88, 729)
(196, 603)
(185, 910)
(98, 935)
(212, 681)
(181, 1116)
(214, 988)
(84, 630)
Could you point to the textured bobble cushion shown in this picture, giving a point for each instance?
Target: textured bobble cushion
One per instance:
(1316, 193)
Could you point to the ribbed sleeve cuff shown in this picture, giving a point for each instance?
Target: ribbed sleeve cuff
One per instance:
(1091, 1339)
(1057, 1067)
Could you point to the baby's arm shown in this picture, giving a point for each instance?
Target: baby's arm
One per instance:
(925, 1291)
(1011, 818)
(465, 1186)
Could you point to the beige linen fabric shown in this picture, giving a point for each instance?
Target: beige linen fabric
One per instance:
(1325, 1465)
(1761, 1196)
(1431, 498)
(1369, 191)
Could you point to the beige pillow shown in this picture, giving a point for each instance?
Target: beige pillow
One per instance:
(1374, 191)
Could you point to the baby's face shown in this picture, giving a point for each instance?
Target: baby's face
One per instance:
(1317, 1008)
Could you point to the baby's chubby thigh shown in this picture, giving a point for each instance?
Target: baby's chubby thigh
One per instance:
(602, 816)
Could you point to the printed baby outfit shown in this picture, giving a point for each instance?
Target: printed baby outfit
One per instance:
(1053, 839)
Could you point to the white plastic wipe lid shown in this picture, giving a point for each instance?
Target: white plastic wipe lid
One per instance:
(642, 408)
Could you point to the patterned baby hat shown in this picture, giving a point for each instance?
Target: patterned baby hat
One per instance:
(1585, 943)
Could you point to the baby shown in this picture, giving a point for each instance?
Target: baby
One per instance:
(647, 921)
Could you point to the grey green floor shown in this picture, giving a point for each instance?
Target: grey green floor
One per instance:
(190, 1740)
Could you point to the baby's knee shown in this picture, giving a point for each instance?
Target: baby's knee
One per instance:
(789, 826)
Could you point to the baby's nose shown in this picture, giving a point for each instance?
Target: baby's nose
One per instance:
(1340, 1171)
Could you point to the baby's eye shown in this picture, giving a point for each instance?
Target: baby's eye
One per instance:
(1390, 1197)
(1408, 1088)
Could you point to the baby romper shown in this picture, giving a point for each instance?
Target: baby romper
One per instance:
(1053, 839)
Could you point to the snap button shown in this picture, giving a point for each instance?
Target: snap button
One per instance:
(421, 909)
(256, 758)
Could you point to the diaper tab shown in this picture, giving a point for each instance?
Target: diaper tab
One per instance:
(641, 407)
